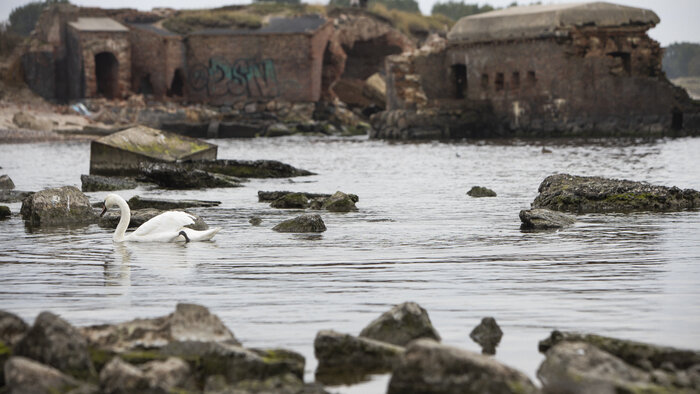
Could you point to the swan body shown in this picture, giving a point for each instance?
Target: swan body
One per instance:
(166, 227)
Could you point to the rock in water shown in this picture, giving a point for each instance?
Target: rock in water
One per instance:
(342, 357)
(141, 216)
(291, 201)
(339, 202)
(58, 206)
(5, 212)
(97, 183)
(487, 334)
(544, 219)
(27, 376)
(6, 183)
(176, 176)
(479, 191)
(429, 367)
(579, 194)
(53, 341)
(302, 224)
(137, 202)
(401, 324)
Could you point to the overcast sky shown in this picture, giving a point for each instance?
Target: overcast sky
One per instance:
(679, 18)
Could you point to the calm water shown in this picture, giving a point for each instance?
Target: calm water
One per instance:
(417, 237)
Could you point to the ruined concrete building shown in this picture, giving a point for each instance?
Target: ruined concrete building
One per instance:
(543, 70)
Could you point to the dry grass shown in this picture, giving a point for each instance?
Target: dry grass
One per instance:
(413, 23)
(185, 22)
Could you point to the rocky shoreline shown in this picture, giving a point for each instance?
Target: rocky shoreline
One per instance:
(192, 351)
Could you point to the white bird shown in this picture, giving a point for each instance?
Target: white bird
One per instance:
(166, 227)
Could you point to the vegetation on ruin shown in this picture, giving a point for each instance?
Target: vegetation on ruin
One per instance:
(23, 19)
(184, 22)
(410, 22)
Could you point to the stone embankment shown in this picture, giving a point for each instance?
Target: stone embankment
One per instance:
(191, 350)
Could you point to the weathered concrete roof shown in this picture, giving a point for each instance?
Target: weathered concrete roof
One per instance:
(544, 20)
(302, 24)
(98, 24)
(156, 144)
(154, 29)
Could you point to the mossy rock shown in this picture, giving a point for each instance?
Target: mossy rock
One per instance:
(302, 224)
(339, 202)
(291, 201)
(480, 191)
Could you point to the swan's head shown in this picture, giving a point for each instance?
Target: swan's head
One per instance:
(110, 201)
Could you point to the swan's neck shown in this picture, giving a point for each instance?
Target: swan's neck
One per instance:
(124, 220)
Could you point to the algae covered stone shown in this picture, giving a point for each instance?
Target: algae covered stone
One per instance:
(401, 324)
(340, 202)
(308, 223)
(291, 201)
(480, 191)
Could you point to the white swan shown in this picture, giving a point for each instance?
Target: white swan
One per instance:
(166, 227)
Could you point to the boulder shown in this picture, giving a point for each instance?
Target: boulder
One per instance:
(97, 183)
(5, 212)
(27, 376)
(345, 359)
(119, 377)
(138, 202)
(278, 130)
(375, 90)
(339, 202)
(169, 374)
(487, 334)
(6, 183)
(281, 384)
(544, 219)
(401, 324)
(641, 355)
(255, 221)
(291, 201)
(176, 176)
(581, 368)
(479, 191)
(59, 206)
(579, 194)
(266, 196)
(248, 168)
(140, 216)
(25, 120)
(189, 322)
(53, 341)
(12, 328)
(302, 224)
(10, 196)
(429, 367)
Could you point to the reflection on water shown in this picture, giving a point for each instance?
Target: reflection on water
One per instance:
(417, 237)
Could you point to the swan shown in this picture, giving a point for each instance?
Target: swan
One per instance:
(166, 227)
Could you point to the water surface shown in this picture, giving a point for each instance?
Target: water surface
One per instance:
(416, 237)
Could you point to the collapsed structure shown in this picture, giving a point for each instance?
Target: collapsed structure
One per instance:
(544, 70)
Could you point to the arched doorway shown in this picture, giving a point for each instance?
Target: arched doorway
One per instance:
(107, 75)
(177, 84)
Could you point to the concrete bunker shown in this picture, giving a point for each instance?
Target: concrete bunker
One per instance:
(177, 84)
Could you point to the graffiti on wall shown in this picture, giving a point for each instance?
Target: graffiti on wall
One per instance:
(240, 78)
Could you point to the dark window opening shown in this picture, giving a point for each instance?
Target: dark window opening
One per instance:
(107, 74)
(145, 86)
(531, 78)
(459, 75)
(677, 120)
(622, 63)
(485, 81)
(515, 80)
(499, 81)
(178, 83)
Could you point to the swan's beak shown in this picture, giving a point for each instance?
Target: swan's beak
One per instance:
(104, 209)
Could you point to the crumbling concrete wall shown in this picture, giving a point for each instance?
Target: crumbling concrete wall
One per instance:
(155, 57)
(224, 68)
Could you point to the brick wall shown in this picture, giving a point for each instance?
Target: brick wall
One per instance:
(154, 58)
(90, 44)
(223, 69)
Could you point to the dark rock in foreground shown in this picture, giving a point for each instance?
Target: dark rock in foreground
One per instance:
(578, 194)
(6, 183)
(487, 334)
(59, 206)
(140, 216)
(248, 168)
(429, 367)
(97, 183)
(401, 324)
(345, 359)
(586, 363)
(178, 176)
(137, 202)
(9, 196)
(28, 376)
(189, 322)
(53, 341)
(302, 224)
(12, 328)
(5, 212)
(479, 191)
(544, 219)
